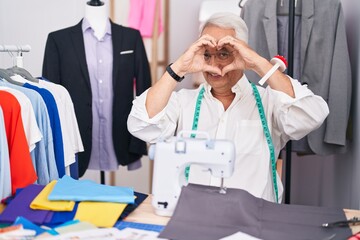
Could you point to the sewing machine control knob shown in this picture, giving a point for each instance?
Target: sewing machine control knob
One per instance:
(164, 204)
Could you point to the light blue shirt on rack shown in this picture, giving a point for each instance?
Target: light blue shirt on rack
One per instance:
(42, 155)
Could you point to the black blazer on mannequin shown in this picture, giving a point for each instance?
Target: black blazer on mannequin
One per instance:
(65, 64)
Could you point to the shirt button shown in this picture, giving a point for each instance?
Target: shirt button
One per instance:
(100, 61)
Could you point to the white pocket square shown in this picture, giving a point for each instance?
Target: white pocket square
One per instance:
(126, 52)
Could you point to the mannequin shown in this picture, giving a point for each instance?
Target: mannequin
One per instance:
(97, 15)
(97, 61)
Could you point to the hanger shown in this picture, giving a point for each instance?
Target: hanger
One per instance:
(6, 75)
(24, 73)
(242, 3)
(95, 3)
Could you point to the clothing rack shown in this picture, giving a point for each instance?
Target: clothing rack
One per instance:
(290, 70)
(19, 49)
(15, 48)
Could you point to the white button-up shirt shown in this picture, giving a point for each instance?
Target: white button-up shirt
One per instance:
(288, 119)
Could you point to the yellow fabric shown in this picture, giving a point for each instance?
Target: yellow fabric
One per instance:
(75, 226)
(2, 207)
(41, 201)
(101, 214)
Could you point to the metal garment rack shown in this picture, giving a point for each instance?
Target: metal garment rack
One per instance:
(290, 71)
(19, 49)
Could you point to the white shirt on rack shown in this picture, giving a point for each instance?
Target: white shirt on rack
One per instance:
(287, 118)
(31, 129)
(69, 125)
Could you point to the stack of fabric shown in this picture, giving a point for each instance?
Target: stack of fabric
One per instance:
(69, 201)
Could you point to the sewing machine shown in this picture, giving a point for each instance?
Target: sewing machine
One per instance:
(171, 157)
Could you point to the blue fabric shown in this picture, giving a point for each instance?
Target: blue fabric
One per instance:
(20, 206)
(55, 126)
(140, 197)
(70, 189)
(60, 217)
(143, 226)
(30, 225)
(43, 155)
(74, 168)
(68, 223)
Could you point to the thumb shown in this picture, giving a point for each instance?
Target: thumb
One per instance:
(212, 69)
(227, 69)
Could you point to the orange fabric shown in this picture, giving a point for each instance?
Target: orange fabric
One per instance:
(21, 168)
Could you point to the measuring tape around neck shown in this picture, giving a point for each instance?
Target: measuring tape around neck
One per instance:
(264, 125)
(195, 123)
(268, 138)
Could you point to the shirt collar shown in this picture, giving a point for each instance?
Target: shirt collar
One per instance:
(242, 86)
(86, 25)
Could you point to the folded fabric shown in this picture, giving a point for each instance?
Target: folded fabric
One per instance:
(31, 226)
(70, 189)
(20, 206)
(101, 214)
(140, 197)
(41, 200)
(60, 217)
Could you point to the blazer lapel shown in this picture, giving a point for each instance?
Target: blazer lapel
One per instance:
(78, 41)
(270, 27)
(307, 21)
(117, 39)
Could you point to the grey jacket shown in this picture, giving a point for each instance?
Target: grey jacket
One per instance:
(324, 61)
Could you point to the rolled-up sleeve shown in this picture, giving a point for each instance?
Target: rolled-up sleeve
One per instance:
(297, 117)
(161, 126)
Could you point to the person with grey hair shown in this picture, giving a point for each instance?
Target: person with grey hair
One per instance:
(259, 120)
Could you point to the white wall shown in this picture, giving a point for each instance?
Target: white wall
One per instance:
(28, 22)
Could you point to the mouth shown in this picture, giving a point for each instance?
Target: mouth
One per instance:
(213, 74)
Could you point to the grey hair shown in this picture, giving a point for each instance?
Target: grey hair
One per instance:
(228, 20)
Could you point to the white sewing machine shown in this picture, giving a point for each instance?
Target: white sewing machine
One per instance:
(171, 157)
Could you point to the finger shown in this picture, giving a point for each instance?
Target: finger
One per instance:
(206, 40)
(209, 38)
(227, 69)
(212, 69)
(227, 40)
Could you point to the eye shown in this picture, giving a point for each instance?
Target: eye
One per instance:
(207, 56)
(223, 55)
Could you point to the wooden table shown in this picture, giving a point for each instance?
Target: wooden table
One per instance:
(146, 214)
